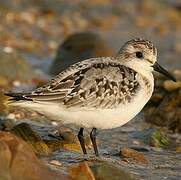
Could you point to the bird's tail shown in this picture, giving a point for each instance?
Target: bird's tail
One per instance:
(17, 96)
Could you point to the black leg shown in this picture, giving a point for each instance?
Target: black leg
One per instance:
(93, 139)
(81, 140)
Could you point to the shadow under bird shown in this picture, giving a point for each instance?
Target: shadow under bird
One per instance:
(103, 93)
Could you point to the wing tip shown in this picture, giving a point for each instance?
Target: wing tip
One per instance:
(17, 96)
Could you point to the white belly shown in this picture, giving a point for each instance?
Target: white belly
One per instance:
(98, 118)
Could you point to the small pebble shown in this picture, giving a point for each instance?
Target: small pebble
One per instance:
(54, 123)
(136, 142)
(178, 149)
(11, 116)
(171, 86)
(16, 83)
(130, 153)
(55, 162)
(8, 49)
(177, 74)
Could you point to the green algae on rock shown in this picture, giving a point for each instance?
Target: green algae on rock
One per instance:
(152, 137)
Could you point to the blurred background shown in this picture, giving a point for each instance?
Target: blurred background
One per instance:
(40, 38)
(35, 28)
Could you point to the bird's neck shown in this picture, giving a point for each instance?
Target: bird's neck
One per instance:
(144, 71)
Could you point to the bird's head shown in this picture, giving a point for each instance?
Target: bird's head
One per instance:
(143, 54)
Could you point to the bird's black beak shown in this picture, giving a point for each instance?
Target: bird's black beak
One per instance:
(163, 71)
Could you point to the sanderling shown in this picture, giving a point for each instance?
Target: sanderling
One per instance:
(104, 92)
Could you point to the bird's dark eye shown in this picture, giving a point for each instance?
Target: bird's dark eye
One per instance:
(139, 54)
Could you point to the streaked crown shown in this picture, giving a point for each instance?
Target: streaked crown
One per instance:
(139, 49)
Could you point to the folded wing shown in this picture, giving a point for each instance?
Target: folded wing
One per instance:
(91, 83)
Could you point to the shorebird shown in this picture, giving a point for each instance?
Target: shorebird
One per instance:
(98, 93)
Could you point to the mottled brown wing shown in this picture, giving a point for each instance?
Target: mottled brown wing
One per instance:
(103, 85)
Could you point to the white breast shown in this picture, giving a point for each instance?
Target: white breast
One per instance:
(105, 118)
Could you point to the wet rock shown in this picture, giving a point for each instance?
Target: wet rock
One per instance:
(19, 162)
(98, 170)
(157, 139)
(78, 47)
(130, 153)
(6, 124)
(3, 103)
(14, 67)
(163, 85)
(24, 131)
(152, 137)
(171, 86)
(177, 74)
(66, 134)
(53, 144)
(5, 159)
(81, 172)
(164, 107)
(178, 149)
(55, 162)
(65, 138)
(167, 112)
(107, 171)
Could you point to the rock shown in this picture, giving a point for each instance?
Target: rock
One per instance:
(107, 171)
(157, 139)
(6, 124)
(3, 81)
(178, 149)
(167, 112)
(55, 162)
(177, 45)
(98, 170)
(177, 74)
(14, 67)
(66, 134)
(152, 137)
(164, 107)
(65, 138)
(5, 159)
(71, 141)
(78, 47)
(171, 86)
(3, 103)
(53, 144)
(24, 131)
(162, 85)
(18, 161)
(81, 172)
(130, 153)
